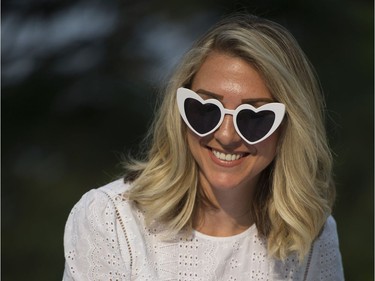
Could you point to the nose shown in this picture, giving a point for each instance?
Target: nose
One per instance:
(227, 135)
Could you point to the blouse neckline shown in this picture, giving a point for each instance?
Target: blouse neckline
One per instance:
(245, 233)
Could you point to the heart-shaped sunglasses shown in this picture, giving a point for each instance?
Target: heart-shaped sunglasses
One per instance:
(205, 116)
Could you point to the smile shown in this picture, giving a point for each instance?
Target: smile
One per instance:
(226, 157)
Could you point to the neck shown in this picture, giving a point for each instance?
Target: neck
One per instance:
(229, 214)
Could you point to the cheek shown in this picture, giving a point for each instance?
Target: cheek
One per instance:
(197, 147)
(268, 147)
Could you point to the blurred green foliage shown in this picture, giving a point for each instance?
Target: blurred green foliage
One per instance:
(79, 82)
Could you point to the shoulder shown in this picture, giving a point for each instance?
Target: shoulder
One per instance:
(93, 239)
(330, 225)
(327, 243)
(326, 257)
(115, 187)
(97, 207)
(112, 189)
(328, 234)
(102, 196)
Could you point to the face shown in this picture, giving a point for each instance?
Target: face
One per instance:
(225, 160)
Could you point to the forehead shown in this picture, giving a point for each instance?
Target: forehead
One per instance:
(231, 77)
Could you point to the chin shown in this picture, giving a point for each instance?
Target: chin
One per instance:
(227, 182)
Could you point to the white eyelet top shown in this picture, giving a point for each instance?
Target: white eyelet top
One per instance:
(106, 239)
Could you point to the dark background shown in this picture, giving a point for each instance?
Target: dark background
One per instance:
(78, 88)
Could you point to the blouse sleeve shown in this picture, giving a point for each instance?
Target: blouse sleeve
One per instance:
(325, 261)
(91, 243)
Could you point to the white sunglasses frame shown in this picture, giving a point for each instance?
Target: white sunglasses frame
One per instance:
(277, 108)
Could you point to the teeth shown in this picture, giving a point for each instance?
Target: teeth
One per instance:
(226, 157)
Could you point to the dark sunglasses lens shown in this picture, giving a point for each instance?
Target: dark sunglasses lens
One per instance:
(254, 126)
(202, 117)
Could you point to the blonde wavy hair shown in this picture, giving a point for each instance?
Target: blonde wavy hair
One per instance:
(296, 192)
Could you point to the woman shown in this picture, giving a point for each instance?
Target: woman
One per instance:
(237, 182)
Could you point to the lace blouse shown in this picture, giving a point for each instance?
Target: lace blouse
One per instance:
(106, 239)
